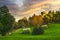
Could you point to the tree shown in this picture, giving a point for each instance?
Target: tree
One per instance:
(36, 21)
(6, 20)
(1, 27)
(51, 15)
(43, 14)
(57, 17)
(22, 23)
(15, 25)
(46, 20)
(45, 17)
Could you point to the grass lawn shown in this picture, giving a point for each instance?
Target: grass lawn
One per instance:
(52, 33)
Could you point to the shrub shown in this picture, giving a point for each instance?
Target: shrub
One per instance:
(26, 32)
(44, 26)
(37, 31)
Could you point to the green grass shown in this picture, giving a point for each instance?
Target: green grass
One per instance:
(52, 33)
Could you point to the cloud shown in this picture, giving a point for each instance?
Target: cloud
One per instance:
(21, 8)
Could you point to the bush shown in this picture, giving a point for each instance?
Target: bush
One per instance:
(26, 32)
(37, 31)
(44, 26)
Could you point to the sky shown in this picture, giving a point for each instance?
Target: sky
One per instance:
(26, 8)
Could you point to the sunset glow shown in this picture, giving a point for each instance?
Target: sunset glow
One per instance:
(25, 8)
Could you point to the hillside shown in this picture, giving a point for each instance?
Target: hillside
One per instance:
(52, 33)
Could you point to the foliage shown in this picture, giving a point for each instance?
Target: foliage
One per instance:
(6, 19)
(26, 32)
(36, 21)
(52, 33)
(23, 23)
(4, 10)
(51, 15)
(37, 31)
(57, 17)
(15, 25)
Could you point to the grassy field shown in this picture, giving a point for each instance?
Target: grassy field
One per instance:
(52, 33)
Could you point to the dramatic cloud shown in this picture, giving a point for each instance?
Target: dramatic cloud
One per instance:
(25, 8)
